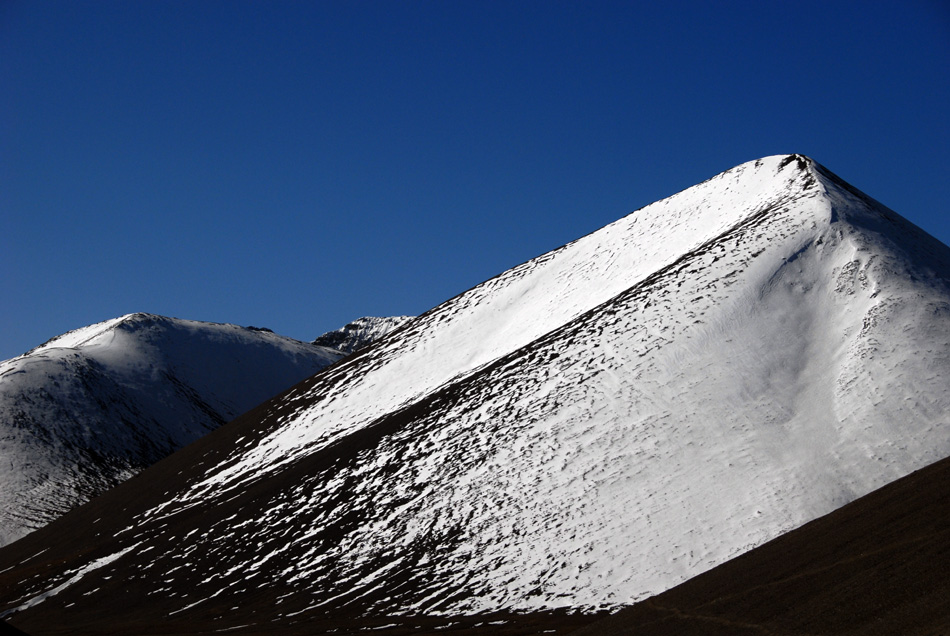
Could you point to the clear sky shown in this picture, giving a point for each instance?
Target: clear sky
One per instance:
(296, 165)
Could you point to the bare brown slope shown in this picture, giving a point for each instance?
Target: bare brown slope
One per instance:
(880, 565)
(9, 630)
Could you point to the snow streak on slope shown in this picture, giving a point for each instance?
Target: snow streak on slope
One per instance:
(91, 407)
(587, 429)
(360, 333)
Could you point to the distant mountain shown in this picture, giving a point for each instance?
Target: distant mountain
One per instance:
(90, 408)
(586, 430)
(360, 333)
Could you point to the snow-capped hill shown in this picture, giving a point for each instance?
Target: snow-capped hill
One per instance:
(587, 429)
(91, 407)
(511, 310)
(360, 333)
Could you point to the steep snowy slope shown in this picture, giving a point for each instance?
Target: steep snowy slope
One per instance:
(875, 567)
(585, 430)
(360, 333)
(89, 408)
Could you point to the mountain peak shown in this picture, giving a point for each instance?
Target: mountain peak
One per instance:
(89, 408)
(584, 430)
(803, 162)
(360, 333)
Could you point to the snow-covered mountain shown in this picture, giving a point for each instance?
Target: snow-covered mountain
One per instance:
(360, 333)
(90, 408)
(585, 430)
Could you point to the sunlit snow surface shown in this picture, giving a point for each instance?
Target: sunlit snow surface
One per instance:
(594, 426)
(88, 409)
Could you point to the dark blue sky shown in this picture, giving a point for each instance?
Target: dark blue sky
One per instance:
(296, 165)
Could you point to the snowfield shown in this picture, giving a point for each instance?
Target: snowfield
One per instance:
(583, 431)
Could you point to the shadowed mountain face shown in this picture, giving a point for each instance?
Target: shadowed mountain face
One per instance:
(584, 431)
(88, 409)
(360, 333)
